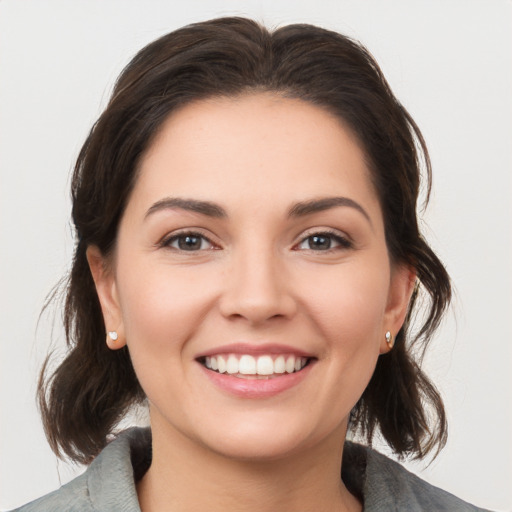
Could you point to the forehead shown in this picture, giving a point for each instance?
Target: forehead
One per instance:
(225, 149)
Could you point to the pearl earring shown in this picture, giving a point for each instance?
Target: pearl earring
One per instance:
(113, 335)
(389, 339)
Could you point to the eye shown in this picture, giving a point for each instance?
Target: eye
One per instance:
(324, 241)
(188, 242)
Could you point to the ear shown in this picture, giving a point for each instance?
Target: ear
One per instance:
(402, 283)
(106, 289)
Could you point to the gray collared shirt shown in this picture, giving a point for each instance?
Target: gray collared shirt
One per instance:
(108, 484)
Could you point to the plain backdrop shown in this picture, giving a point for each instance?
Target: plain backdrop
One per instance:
(448, 61)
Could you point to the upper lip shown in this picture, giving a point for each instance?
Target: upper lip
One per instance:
(254, 349)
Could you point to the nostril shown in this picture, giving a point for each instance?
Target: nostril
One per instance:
(255, 291)
(257, 311)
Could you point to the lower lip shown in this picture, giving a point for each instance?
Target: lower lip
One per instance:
(257, 388)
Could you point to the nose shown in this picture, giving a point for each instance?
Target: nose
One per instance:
(257, 288)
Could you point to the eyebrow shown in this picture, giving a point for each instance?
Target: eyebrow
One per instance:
(319, 205)
(191, 205)
(210, 209)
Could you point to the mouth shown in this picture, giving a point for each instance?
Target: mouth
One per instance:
(258, 367)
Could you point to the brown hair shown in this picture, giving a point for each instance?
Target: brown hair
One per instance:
(84, 399)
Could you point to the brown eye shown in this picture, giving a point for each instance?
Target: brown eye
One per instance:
(189, 242)
(319, 242)
(324, 242)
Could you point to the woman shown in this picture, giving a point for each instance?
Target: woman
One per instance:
(248, 263)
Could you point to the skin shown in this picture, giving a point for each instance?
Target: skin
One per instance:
(259, 279)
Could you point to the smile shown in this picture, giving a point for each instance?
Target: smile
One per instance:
(247, 366)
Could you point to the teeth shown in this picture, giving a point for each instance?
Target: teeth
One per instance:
(232, 364)
(250, 365)
(290, 365)
(265, 365)
(279, 365)
(247, 365)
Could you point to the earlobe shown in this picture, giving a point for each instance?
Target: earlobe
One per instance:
(114, 342)
(107, 294)
(403, 281)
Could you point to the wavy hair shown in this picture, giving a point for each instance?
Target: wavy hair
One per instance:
(85, 397)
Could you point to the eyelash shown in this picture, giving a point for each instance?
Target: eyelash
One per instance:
(342, 241)
(167, 242)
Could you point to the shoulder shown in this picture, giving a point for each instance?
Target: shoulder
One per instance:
(389, 486)
(107, 484)
(72, 497)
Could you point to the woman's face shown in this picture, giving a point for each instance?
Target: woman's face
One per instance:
(251, 279)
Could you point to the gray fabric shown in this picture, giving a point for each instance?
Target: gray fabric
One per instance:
(108, 483)
(390, 487)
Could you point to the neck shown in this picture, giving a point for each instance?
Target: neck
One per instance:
(187, 476)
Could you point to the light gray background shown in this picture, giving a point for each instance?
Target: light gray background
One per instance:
(449, 62)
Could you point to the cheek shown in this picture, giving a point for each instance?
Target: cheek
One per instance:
(161, 311)
(349, 317)
(161, 308)
(349, 306)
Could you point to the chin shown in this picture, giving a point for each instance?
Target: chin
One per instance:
(261, 448)
(266, 439)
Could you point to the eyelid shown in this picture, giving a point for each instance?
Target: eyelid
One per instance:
(166, 240)
(342, 238)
